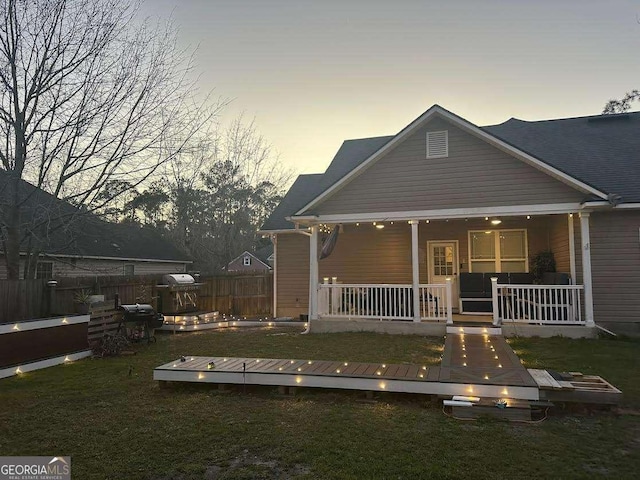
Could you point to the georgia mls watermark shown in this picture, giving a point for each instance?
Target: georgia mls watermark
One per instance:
(35, 468)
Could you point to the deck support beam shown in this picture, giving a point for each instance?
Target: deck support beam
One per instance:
(586, 268)
(313, 273)
(415, 271)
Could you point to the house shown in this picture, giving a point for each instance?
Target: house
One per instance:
(89, 246)
(251, 262)
(445, 217)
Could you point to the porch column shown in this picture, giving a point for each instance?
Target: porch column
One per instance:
(415, 275)
(586, 268)
(274, 241)
(572, 249)
(313, 273)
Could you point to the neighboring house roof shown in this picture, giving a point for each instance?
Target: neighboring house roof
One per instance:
(265, 252)
(601, 151)
(252, 255)
(94, 237)
(87, 235)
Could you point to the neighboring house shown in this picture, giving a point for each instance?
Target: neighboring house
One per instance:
(427, 217)
(89, 246)
(249, 262)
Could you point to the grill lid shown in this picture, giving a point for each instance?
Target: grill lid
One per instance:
(178, 279)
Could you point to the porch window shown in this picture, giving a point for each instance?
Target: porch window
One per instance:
(500, 251)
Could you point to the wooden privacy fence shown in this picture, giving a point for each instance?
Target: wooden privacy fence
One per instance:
(243, 295)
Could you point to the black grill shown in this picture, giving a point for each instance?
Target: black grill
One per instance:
(143, 316)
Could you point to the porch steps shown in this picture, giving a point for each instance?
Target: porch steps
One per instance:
(474, 330)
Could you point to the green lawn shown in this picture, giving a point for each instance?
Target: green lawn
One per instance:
(117, 426)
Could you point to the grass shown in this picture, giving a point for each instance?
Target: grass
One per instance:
(116, 425)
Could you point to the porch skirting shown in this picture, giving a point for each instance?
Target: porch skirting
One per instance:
(432, 329)
(548, 331)
(336, 325)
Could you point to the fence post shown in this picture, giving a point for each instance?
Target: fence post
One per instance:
(494, 301)
(449, 303)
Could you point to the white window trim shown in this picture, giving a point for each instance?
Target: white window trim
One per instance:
(497, 261)
(446, 141)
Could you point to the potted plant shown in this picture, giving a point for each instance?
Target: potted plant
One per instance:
(541, 263)
(82, 301)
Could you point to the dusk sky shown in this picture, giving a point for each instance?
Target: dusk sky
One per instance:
(314, 73)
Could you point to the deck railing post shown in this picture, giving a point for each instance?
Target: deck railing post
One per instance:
(494, 301)
(448, 291)
(415, 285)
(313, 273)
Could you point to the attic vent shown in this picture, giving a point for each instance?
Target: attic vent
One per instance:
(438, 144)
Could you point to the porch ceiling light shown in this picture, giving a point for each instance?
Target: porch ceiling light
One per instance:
(496, 221)
(380, 226)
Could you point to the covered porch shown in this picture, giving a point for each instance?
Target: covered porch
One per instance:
(452, 267)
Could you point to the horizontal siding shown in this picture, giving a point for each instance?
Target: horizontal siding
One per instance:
(615, 266)
(559, 242)
(292, 262)
(475, 174)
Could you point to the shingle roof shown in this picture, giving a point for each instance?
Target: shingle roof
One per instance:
(87, 235)
(307, 187)
(601, 150)
(94, 237)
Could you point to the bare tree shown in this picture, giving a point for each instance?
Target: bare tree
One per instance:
(623, 105)
(90, 97)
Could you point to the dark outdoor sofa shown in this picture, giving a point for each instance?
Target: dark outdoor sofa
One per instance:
(475, 288)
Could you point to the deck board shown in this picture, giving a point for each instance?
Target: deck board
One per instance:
(452, 377)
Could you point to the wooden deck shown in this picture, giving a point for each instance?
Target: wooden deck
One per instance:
(483, 375)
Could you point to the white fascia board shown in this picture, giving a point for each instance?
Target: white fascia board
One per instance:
(26, 325)
(598, 205)
(453, 213)
(626, 206)
(468, 127)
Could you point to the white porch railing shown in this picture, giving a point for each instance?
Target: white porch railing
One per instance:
(384, 302)
(538, 304)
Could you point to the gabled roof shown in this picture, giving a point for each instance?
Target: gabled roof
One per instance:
(252, 255)
(87, 235)
(599, 154)
(601, 150)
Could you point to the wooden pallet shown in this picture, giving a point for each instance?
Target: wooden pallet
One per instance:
(576, 388)
(104, 319)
